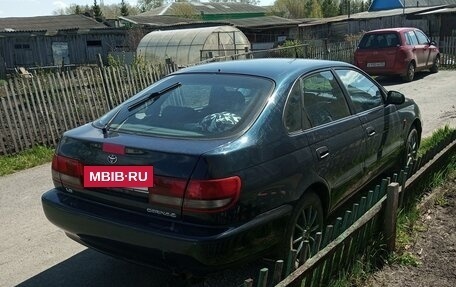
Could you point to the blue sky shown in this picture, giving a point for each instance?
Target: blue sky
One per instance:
(26, 8)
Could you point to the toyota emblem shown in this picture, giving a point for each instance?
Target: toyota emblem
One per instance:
(112, 159)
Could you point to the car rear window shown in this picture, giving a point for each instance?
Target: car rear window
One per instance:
(379, 40)
(192, 105)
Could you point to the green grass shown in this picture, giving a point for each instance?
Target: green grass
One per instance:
(406, 233)
(431, 141)
(408, 227)
(373, 256)
(26, 159)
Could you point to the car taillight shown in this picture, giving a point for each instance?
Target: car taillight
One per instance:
(67, 171)
(167, 191)
(213, 195)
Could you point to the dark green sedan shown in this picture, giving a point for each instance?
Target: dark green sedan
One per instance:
(246, 157)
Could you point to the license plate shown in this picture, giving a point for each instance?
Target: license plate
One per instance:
(376, 64)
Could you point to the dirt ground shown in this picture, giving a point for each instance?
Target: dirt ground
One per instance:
(435, 246)
(434, 94)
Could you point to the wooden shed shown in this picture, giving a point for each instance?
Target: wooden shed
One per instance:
(53, 41)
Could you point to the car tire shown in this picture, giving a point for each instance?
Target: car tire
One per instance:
(307, 215)
(435, 66)
(412, 143)
(410, 74)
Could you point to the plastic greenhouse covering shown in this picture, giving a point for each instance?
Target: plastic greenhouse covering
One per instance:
(189, 46)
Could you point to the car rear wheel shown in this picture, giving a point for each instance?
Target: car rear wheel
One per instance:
(411, 146)
(306, 221)
(410, 74)
(435, 65)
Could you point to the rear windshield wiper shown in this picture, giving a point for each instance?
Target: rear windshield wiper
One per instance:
(153, 95)
(108, 123)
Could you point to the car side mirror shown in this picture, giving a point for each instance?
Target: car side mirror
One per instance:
(395, 98)
(433, 43)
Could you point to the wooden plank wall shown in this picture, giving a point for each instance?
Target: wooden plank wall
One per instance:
(39, 52)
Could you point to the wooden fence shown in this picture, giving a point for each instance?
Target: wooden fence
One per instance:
(447, 47)
(338, 51)
(340, 244)
(37, 110)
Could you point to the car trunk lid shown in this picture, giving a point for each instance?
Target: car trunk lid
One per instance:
(173, 161)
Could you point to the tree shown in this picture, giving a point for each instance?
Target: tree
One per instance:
(289, 9)
(146, 5)
(96, 9)
(313, 9)
(123, 8)
(185, 10)
(329, 8)
(77, 10)
(343, 7)
(109, 11)
(72, 9)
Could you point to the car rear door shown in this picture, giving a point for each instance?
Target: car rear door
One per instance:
(418, 49)
(381, 124)
(335, 137)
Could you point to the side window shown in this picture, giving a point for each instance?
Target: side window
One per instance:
(411, 38)
(364, 93)
(422, 39)
(323, 99)
(293, 109)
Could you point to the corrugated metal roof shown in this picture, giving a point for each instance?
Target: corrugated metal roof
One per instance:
(208, 8)
(166, 21)
(367, 15)
(422, 3)
(378, 5)
(263, 22)
(157, 20)
(439, 11)
(49, 23)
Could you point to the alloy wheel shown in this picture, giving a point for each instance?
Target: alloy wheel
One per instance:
(308, 223)
(412, 146)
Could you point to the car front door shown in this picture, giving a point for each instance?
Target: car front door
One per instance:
(381, 123)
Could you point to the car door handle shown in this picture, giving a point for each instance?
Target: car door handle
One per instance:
(370, 131)
(322, 152)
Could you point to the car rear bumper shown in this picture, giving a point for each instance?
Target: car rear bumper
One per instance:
(399, 68)
(133, 237)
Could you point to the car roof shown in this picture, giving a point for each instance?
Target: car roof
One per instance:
(398, 29)
(273, 68)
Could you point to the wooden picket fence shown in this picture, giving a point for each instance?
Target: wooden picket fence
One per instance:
(37, 110)
(447, 47)
(337, 51)
(374, 216)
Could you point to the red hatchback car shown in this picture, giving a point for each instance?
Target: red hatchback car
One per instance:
(397, 51)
